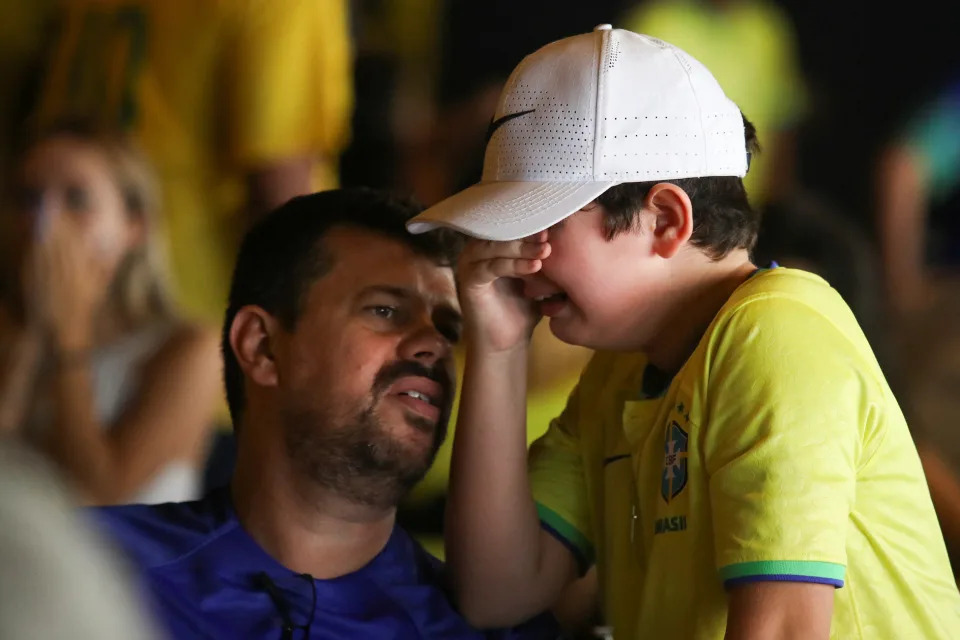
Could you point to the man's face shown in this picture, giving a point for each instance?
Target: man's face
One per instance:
(366, 379)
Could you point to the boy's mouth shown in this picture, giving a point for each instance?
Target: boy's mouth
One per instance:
(553, 297)
(552, 304)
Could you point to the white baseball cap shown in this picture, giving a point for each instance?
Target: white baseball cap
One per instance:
(584, 114)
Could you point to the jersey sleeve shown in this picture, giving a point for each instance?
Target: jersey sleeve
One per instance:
(782, 442)
(289, 84)
(558, 484)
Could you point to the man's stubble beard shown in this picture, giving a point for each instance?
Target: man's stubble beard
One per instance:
(354, 456)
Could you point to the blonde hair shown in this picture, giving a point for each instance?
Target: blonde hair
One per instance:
(140, 290)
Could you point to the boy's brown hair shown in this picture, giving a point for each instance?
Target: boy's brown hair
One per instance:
(723, 219)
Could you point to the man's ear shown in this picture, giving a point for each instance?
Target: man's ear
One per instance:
(673, 213)
(251, 338)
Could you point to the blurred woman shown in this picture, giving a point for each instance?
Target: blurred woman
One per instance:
(95, 366)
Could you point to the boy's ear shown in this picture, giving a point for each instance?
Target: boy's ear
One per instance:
(673, 213)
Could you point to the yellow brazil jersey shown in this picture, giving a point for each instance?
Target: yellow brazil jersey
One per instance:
(777, 452)
(213, 89)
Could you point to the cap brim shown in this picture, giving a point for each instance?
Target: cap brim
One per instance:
(508, 210)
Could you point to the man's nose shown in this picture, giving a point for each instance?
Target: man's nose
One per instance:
(425, 344)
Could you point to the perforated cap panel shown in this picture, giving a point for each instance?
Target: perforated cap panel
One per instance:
(613, 105)
(583, 114)
(554, 140)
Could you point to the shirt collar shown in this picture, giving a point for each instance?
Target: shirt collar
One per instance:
(239, 560)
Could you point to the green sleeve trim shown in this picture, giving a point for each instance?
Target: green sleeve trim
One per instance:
(569, 535)
(808, 568)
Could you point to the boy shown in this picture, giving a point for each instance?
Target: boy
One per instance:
(732, 456)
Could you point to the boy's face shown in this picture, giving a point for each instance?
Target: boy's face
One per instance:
(600, 293)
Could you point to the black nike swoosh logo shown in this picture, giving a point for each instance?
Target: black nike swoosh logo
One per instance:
(502, 120)
(607, 461)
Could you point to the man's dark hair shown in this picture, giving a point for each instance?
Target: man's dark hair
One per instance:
(723, 219)
(284, 254)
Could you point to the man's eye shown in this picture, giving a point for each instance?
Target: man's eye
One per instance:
(383, 311)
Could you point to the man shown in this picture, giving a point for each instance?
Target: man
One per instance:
(337, 350)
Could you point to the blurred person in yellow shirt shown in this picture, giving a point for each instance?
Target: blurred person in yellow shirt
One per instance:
(749, 46)
(240, 105)
(24, 27)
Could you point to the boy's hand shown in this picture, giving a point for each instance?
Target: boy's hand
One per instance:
(497, 316)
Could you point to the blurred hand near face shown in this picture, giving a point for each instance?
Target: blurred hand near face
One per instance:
(68, 282)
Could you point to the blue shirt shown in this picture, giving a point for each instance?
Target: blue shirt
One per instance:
(209, 579)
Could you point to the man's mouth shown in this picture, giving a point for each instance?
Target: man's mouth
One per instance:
(421, 395)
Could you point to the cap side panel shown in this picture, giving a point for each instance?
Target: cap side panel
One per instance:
(599, 125)
(493, 154)
(693, 91)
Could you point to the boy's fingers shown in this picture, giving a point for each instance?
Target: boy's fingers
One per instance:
(535, 250)
(480, 250)
(489, 270)
(540, 236)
